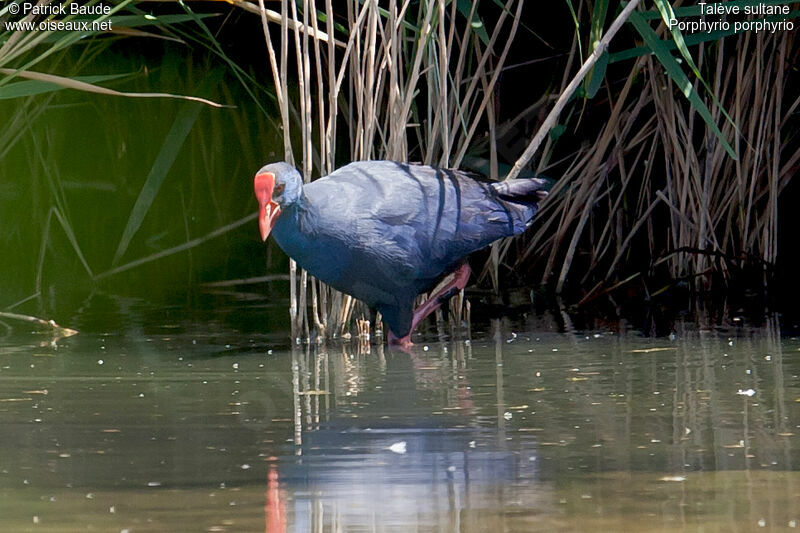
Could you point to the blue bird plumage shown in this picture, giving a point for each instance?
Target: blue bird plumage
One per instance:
(385, 232)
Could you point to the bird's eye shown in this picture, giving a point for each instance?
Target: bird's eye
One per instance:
(279, 189)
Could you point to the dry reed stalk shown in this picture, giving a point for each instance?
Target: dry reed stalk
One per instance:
(279, 78)
(59, 331)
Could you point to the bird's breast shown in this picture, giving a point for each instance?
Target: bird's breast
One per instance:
(322, 256)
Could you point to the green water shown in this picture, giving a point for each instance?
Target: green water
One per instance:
(184, 418)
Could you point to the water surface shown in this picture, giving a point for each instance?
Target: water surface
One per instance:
(159, 419)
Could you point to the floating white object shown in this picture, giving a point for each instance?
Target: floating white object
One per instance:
(673, 478)
(398, 447)
(748, 392)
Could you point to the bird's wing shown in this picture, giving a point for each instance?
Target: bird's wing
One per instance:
(414, 221)
(360, 212)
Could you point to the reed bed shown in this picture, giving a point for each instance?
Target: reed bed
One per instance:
(679, 177)
(657, 194)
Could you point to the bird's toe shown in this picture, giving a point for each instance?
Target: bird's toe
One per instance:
(400, 342)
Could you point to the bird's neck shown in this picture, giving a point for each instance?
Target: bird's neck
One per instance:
(299, 210)
(293, 230)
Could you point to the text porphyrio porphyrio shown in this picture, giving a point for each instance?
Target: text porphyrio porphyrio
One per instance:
(385, 232)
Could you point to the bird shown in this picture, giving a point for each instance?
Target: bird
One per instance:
(386, 231)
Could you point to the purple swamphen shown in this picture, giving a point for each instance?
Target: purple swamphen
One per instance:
(385, 232)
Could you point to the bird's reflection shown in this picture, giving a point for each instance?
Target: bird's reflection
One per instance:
(433, 437)
(275, 506)
(370, 431)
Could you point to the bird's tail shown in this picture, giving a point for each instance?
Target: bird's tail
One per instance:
(526, 191)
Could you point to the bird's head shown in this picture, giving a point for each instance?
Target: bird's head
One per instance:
(277, 186)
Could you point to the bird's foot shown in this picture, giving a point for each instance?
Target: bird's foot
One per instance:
(403, 343)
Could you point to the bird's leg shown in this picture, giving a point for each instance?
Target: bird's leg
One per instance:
(459, 281)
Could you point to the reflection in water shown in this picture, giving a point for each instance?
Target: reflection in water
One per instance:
(189, 426)
(664, 414)
(275, 508)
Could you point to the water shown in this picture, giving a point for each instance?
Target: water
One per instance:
(161, 418)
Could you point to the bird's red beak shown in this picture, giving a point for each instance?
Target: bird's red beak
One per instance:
(268, 210)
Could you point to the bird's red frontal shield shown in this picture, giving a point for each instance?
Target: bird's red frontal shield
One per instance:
(268, 210)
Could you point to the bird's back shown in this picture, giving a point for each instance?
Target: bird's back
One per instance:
(409, 224)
